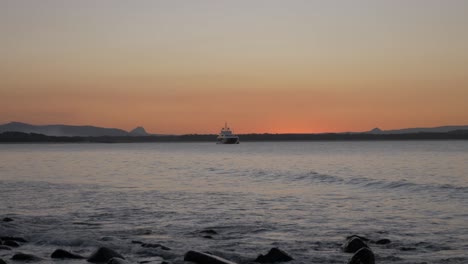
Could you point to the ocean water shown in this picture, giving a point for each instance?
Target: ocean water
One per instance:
(303, 197)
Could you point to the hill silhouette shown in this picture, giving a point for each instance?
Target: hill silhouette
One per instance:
(15, 137)
(139, 131)
(139, 134)
(69, 130)
(440, 129)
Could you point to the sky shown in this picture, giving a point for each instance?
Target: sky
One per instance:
(182, 67)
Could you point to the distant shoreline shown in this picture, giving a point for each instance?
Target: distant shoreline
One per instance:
(20, 137)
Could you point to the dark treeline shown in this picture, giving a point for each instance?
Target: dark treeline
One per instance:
(19, 137)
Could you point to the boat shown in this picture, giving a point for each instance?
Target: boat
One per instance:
(226, 136)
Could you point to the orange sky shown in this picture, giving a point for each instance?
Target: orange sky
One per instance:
(263, 66)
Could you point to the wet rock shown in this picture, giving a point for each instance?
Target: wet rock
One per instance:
(208, 236)
(16, 239)
(63, 254)
(209, 231)
(108, 238)
(148, 245)
(7, 219)
(407, 248)
(204, 258)
(104, 254)
(117, 261)
(353, 245)
(25, 257)
(5, 248)
(2, 261)
(274, 255)
(363, 256)
(384, 241)
(10, 243)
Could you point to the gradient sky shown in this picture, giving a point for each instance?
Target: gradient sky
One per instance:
(263, 66)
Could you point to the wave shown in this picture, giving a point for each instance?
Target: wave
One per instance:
(313, 177)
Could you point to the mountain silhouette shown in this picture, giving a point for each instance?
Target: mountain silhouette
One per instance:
(440, 129)
(63, 130)
(376, 131)
(139, 131)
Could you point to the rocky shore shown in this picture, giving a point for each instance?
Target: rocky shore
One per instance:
(356, 247)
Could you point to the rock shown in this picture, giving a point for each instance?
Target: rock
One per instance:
(384, 241)
(117, 261)
(208, 236)
(353, 245)
(209, 231)
(10, 243)
(25, 257)
(2, 261)
(16, 239)
(148, 245)
(63, 254)
(5, 248)
(108, 238)
(104, 254)
(204, 258)
(363, 256)
(407, 248)
(137, 242)
(7, 219)
(274, 255)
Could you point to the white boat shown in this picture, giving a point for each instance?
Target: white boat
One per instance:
(226, 136)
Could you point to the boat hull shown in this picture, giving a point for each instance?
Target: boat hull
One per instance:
(231, 140)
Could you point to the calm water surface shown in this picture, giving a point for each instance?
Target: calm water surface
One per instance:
(304, 197)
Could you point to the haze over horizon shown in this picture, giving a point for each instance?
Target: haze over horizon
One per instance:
(178, 67)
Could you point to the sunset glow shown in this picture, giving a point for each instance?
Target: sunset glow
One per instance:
(263, 66)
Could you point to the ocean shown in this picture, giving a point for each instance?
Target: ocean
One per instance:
(238, 201)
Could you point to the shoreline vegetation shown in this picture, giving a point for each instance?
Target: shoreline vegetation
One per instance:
(20, 137)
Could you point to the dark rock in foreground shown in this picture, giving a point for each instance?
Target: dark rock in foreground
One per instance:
(384, 241)
(2, 261)
(353, 245)
(274, 255)
(407, 248)
(7, 219)
(204, 258)
(363, 256)
(10, 243)
(16, 239)
(104, 254)
(25, 257)
(209, 231)
(148, 245)
(63, 254)
(117, 261)
(4, 248)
